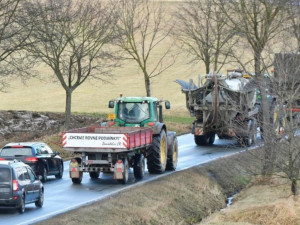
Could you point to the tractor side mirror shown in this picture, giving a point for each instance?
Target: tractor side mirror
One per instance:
(111, 104)
(167, 104)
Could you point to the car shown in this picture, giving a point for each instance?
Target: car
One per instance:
(19, 186)
(38, 155)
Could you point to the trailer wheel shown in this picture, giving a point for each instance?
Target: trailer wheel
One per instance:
(125, 172)
(139, 166)
(211, 138)
(207, 139)
(173, 156)
(94, 175)
(157, 157)
(77, 180)
(251, 138)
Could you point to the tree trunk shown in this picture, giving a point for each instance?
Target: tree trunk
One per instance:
(264, 122)
(294, 187)
(207, 64)
(147, 84)
(68, 109)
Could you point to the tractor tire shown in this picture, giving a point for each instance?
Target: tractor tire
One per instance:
(172, 155)
(157, 157)
(94, 175)
(139, 166)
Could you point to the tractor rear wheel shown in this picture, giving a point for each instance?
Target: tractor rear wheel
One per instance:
(157, 157)
(139, 166)
(172, 155)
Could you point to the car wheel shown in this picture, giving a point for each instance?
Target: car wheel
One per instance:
(44, 175)
(61, 172)
(21, 209)
(39, 203)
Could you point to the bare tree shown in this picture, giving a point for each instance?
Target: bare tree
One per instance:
(13, 36)
(286, 89)
(258, 22)
(70, 37)
(142, 29)
(293, 9)
(203, 29)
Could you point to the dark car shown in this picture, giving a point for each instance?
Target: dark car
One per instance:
(38, 155)
(19, 186)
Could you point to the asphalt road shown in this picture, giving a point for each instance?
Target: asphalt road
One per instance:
(61, 195)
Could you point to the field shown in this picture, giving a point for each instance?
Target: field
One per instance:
(45, 93)
(199, 196)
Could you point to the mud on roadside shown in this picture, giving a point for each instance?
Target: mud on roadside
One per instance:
(17, 126)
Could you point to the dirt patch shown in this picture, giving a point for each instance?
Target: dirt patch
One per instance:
(17, 126)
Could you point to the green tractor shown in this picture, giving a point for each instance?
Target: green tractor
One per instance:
(147, 112)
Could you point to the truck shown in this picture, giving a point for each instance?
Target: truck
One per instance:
(134, 132)
(224, 105)
(286, 84)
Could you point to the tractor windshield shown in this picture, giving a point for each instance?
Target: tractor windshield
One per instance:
(133, 112)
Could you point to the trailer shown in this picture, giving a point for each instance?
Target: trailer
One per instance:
(107, 149)
(224, 105)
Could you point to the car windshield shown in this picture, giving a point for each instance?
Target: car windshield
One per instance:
(5, 175)
(16, 151)
(131, 112)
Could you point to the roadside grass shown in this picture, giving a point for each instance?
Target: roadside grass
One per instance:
(268, 204)
(180, 198)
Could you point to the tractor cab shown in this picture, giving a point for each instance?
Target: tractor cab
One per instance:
(137, 111)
